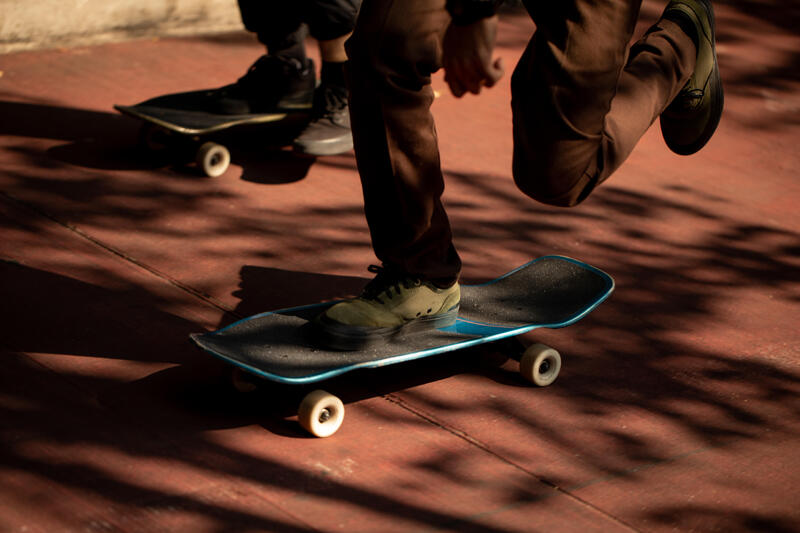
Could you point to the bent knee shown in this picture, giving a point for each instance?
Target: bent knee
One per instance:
(556, 188)
(561, 174)
(548, 195)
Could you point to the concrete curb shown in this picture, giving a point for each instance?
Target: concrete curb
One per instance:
(26, 25)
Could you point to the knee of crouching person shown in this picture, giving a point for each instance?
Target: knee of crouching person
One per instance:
(557, 191)
(552, 176)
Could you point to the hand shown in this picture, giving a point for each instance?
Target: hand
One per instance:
(467, 57)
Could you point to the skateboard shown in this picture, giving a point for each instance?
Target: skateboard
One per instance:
(279, 346)
(180, 122)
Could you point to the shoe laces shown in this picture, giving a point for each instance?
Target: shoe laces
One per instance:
(688, 99)
(386, 282)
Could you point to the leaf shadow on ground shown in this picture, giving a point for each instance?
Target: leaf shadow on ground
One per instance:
(84, 431)
(666, 283)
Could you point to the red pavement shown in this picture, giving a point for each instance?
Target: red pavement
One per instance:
(677, 408)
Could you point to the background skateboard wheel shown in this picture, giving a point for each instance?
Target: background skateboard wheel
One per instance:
(213, 159)
(321, 413)
(540, 364)
(242, 381)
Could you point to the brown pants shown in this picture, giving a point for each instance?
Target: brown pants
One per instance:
(581, 99)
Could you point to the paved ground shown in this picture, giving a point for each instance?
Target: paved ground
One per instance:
(677, 409)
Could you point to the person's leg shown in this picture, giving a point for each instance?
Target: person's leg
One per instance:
(278, 26)
(395, 48)
(281, 80)
(579, 106)
(331, 22)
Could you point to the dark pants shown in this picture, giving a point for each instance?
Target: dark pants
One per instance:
(280, 24)
(581, 99)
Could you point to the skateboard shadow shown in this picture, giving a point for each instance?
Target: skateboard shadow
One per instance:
(272, 166)
(47, 313)
(69, 323)
(108, 141)
(95, 139)
(59, 317)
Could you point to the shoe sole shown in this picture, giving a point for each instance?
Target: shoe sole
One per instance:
(337, 147)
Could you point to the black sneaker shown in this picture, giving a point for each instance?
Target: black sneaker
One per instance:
(271, 85)
(328, 133)
(691, 119)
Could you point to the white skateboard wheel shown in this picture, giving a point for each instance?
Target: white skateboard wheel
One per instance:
(321, 413)
(242, 382)
(213, 159)
(540, 364)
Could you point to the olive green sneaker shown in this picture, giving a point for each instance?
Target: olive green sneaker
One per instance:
(691, 119)
(390, 304)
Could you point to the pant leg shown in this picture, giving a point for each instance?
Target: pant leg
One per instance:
(278, 25)
(396, 46)
(579, 107)
(275, 22)
(331, 19)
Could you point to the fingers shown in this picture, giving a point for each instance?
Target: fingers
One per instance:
(471, 77)
(494, 72)
(454, 83)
